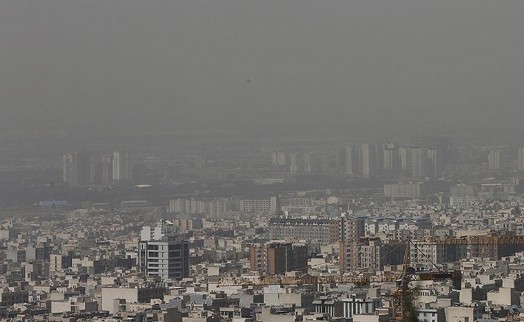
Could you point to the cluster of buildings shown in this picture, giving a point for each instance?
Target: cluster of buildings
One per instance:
(457, 194)
(340, 262)
(80, 169)
(504, 157)
(217, 207)
(367, 160)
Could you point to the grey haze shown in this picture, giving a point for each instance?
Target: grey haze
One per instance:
(264, 64)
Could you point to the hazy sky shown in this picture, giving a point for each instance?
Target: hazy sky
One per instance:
(217, 63)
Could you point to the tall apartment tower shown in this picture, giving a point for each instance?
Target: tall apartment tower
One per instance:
(417, 157)
(403, 159)
(293, 162)
(308, 168)
(434, 163)
(348, 164)
(163, 251)
(95, 171)
(494, 160)
(520, 159)
(121, 167)
(390, 158)
(351, 229)
(279, 158)
(107, 170)
(369, 160)
(278, 258)
(76, 168)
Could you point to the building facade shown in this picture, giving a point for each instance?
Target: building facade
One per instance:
(163, 252)
(76, 168)
(324, 231)
(278, 258)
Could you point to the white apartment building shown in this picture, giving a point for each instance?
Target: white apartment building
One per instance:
(163, 252)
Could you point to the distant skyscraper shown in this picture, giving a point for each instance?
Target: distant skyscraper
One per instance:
(434, 163)
(494, 160)
(324, 163)
(95, 172)
(340, 157)
(279, 158)
(403, 158)
(418, 161)
(76, 168)
(293, 162)
(520, 159)
(390, 158)
(107, 171)
(121, 167)
(307, 162)
(369, 159)
(348, 166)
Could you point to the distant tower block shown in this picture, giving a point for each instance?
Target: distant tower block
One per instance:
(121, 167)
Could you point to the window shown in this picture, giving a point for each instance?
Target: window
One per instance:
(175, 247)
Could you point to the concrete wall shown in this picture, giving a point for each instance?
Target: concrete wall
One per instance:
(110, 294)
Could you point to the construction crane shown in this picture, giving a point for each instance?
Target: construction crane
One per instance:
(402, 298)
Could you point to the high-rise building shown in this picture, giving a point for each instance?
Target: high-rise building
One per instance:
(278, 258)
(406, 190)
(340, 157)
(520, 159)
(279, 158)
(258, 257)
(214, 208)
(76, 168)
(307, 163)
(371, 253)
(256, 206)
(293, 162)
(462, 194)
(348, 166)
(494, 160)
(434, 163)
(369, 160)
(390, 157)
(425, 255)
(121, 167)
(282, 258)
(324, 163)
(418, 162)
(163, 251)
(107, 170)
(350, 230)
(403, 158)
(324, 231)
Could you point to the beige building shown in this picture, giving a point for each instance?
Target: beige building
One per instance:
(410, 190)
(371, 318)
(505, 296)
(74, 304)
(128, 295)
(463, 313)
